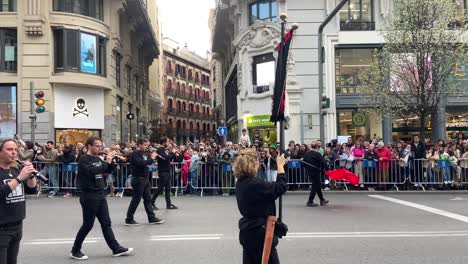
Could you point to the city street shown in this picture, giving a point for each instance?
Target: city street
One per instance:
(354, 228)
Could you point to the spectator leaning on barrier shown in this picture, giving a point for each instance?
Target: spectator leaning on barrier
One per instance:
(383, 164)
(358, 154)
(371, 158)
(66, 158)
(419, 150)
(50, 157)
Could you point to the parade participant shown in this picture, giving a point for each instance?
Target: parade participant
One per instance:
(93, 199)
(256, 201)
(315, 165)
(164, 167)
(12, 200)
(139, 161)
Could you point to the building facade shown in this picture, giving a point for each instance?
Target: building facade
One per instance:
(187, 95)
(245, 33)
(90, 58)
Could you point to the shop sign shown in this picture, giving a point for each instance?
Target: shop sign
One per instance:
(359, 119)
(259, 121)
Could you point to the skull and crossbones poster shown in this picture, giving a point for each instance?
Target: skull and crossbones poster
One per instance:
(80, 108)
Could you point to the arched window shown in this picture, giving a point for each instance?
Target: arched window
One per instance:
(204, 127)
(191, 125)
(184, 125)
(184, 107)
(178, 123)
(178, 87)
(169, 84)
(169, 103)
(183, 88)
(203, 111)
(214, 127)
(191, 108)
(190, 89)
(197, 108)
(198, 126)
(178, 106)
(171, 125)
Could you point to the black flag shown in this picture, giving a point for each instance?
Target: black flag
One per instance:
(277, 113)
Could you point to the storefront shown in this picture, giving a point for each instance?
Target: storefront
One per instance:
(79, 114)
(358, 124)
(8, 111)
(264, 125)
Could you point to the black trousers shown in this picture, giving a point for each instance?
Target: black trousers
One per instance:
(316, 188)
(95, 206)
(252, 244)
(141, 189)
(10, 237)
(164, 183)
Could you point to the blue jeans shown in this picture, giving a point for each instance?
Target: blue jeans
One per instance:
(193, 179)
(51, 172)
(271, 175)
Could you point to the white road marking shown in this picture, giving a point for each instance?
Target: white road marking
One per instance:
(188, 235)
(423, 207)
(56, 242)
(184, 238)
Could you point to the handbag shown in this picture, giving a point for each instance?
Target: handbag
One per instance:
(281, 229)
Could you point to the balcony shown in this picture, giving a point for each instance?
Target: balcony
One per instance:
(357, 26)
(171, 111)
(170, 91)
(191, 97)
(206, 84)
(182, 113)
(198, 115)
(181, 76)
(206, 100)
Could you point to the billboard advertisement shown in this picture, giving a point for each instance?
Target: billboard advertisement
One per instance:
(7, 111)
(88, 53)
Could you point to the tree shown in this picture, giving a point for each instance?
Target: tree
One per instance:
(159, 129)
(414, 72)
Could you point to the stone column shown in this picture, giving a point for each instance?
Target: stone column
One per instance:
(294, 98)
(387, 128)
(438, 123)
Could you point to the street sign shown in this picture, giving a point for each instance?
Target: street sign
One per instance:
(222, 131)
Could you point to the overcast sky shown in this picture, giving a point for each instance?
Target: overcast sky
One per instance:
(186, 21)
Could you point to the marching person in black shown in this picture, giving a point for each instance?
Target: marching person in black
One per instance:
(139, 161)
(164, 167)
(315, 165)
(12, 200)
(256, 201)
(93, 199)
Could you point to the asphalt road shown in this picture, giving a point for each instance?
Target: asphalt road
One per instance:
(354, 228)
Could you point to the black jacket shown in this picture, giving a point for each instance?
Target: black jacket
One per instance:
(12, 202)
(139, 162)
(164, 159)
(256, 199)
(90, 170)
(316, 161)
(419, 151)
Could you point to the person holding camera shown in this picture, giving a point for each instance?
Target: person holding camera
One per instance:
(139, 162)
(256, 201)
(164, 158)
(93, 199)
(12, 200)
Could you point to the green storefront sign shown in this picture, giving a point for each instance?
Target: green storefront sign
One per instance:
(359, 119)
(259, 121)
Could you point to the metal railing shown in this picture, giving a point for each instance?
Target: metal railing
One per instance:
(218, 178)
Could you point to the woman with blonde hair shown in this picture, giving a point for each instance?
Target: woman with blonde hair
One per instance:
(256, 201)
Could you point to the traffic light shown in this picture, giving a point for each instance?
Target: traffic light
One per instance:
(325, 102)
(40, 102)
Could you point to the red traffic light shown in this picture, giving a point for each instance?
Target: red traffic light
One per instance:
(39, 94)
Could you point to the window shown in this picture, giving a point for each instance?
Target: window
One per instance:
(213, 72)
(357, 15)
(79, 52)
(8, 52)
(118, 61)
(137, 88)
(8, 6)
(263, 70)
(263, 10)
(91, 8)
(8, 110)
(349, 63)
(459, 19)
(128, 71)
(119, 117)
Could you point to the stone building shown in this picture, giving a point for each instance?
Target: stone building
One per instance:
(91, 60)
